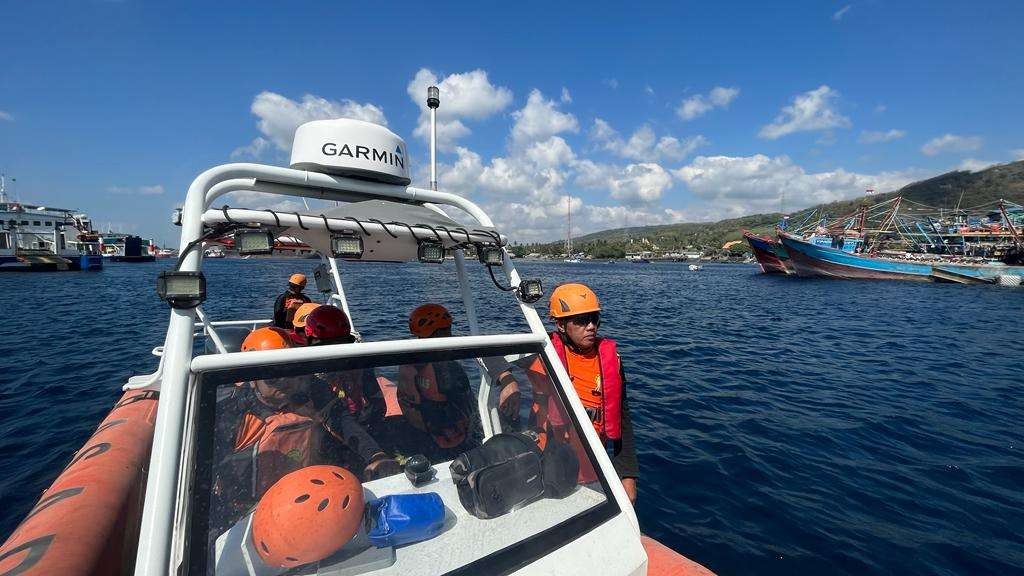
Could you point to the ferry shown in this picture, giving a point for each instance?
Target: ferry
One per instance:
(42, 238)
(145, 494)
(119, 247)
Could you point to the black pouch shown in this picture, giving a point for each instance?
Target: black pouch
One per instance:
(503, 474)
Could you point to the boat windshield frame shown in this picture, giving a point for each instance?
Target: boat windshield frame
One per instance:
(160, 538)
(505, 560)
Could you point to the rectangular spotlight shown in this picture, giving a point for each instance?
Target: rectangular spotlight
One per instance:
(430, 252)
(181, 289)
(254, 242)
(491, 255)
(346, 246)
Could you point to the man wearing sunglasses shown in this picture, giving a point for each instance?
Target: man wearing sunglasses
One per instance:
(596, 372)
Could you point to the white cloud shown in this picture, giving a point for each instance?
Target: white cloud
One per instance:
(648, 90)
(540, 119)
(699, 104)
(642, 183)
(873, 137)
(6, 117)
(643, 144)
(974, 165)
(951, 143)
(279, 116)
(466, 96)
(153, 190)
(611, 83)
(566, 97)
(736, 186)
(254, 149)
(880, 109)
(841, 12)
(1018, 153)
(813, 110)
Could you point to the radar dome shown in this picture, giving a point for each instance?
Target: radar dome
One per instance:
(347, 147)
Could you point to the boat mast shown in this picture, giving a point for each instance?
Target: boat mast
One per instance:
(433, 101)
(568, 233)
(1009, 224)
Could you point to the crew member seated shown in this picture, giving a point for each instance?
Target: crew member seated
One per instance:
(287, 303)
(267, 428)
(357, 389)
(435, 398)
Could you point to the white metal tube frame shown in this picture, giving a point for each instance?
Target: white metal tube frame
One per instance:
(156, 535)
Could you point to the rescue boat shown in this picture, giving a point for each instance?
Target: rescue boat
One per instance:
(152, 491)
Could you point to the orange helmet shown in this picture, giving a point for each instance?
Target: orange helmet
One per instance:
(429, 318)
(267, 338)
(307, 515)
(298, 280)
(572, 299)
(299, 320)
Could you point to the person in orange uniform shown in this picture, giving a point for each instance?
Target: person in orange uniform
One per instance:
(436, 397)
(287, 303)
(596, 371)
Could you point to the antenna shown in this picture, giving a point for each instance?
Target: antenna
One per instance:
(3, 187)
(433, 101)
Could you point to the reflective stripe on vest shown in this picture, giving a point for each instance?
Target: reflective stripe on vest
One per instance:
(611, 383)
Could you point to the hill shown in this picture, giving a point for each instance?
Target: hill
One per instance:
(961, 188)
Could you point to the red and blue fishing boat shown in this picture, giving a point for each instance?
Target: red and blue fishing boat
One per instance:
(769, 252)
(844, 260)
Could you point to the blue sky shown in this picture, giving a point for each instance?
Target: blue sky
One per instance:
(652, 113)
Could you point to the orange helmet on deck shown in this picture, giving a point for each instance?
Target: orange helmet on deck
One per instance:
(267, 338)
(429, 318)
(307, 515)
(298, 280)
(572, 299)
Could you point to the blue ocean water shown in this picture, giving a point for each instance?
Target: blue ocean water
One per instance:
(785, 426)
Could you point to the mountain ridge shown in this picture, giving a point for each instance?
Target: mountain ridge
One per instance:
(949, 190)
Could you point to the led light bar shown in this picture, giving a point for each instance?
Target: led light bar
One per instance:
(181, 289)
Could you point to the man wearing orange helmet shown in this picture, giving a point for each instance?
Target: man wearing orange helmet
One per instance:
(287, 303)
(596, 372)
(436, 398)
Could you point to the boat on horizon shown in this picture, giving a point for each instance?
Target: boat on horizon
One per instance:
(35, 238)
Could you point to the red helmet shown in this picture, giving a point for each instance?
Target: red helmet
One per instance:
(328, 323)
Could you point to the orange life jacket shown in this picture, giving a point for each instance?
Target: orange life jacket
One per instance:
(273, 445)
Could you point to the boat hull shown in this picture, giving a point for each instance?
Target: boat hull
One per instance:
(766, 252)
(819, 261)
(87, 521)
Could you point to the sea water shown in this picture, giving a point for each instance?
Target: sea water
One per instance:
(784, 426)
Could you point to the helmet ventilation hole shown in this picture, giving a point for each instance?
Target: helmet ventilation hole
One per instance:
(317, 481)
(323, 504)
(344, 503)
(302, 499)
(339, 476)
(264, 546)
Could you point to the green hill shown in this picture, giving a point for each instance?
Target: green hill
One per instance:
(947, 191)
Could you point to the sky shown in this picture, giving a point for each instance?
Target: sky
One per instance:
(635, 113)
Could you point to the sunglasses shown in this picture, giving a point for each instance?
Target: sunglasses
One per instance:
(584, 319)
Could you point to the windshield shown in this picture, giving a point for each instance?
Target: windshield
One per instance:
(426, 463)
